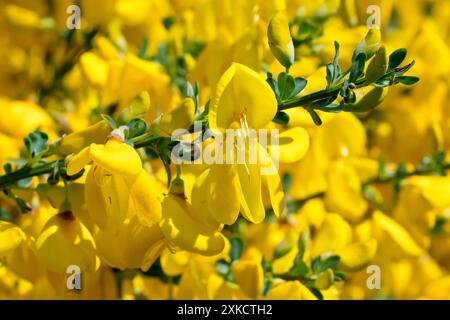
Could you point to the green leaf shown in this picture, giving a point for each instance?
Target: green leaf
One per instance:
(339, 276)
(330, 263)
(316, 292)
(273, 84)
(397, 57)
(300, 84)
(143, 48)
(35, 143)
(377, 66)
(282, 249)
(281, 118)
(137, 127)
(110, 121)
(408, 80)
(303, 242)
(315, 264)
(333, 69)
(236, 248)
(357, 67)
(267, 284)
(299, 269)
(314, 116)
(286, 182)
(286, 85)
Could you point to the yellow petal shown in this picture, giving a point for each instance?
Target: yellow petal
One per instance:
(64, 242)
(223, 180)
(290, 290)
(107, 198)
(144, 200)
(173, 264)
(11, 237)
(271, 181)
(201, 197)
(251, 197)
(78, 161)
(344, 194)
(249, 275)
(116, 157)
(357, 255)
(335, 233)
(74, 142)
(241, 91)
(398, 238)
(94, 68)
(182, 232)
(293, 144)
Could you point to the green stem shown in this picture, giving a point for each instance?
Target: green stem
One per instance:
(309, 99)
(26, 172)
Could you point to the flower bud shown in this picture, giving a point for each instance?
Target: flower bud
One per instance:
(370, 44)
(280, 40)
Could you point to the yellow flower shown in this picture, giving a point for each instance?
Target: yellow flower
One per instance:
(115, 184)
(244, 101)
(64, 241)
(134, 245)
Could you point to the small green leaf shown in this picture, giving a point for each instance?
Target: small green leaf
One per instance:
(315, 264)
(282, 249)
(286, 85)
(35, 143)
(281, 118)
(299, 268)
(236, 248)
(303, 242)
(286, 182)
(273, 84)
(357, 67)
(316, 292)
(408, 80)
(330, 263)
(110, 121)
(377, 66)
(314, 116)
(397, 57)
(143, 48)
(137, 127)
(300, 84)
